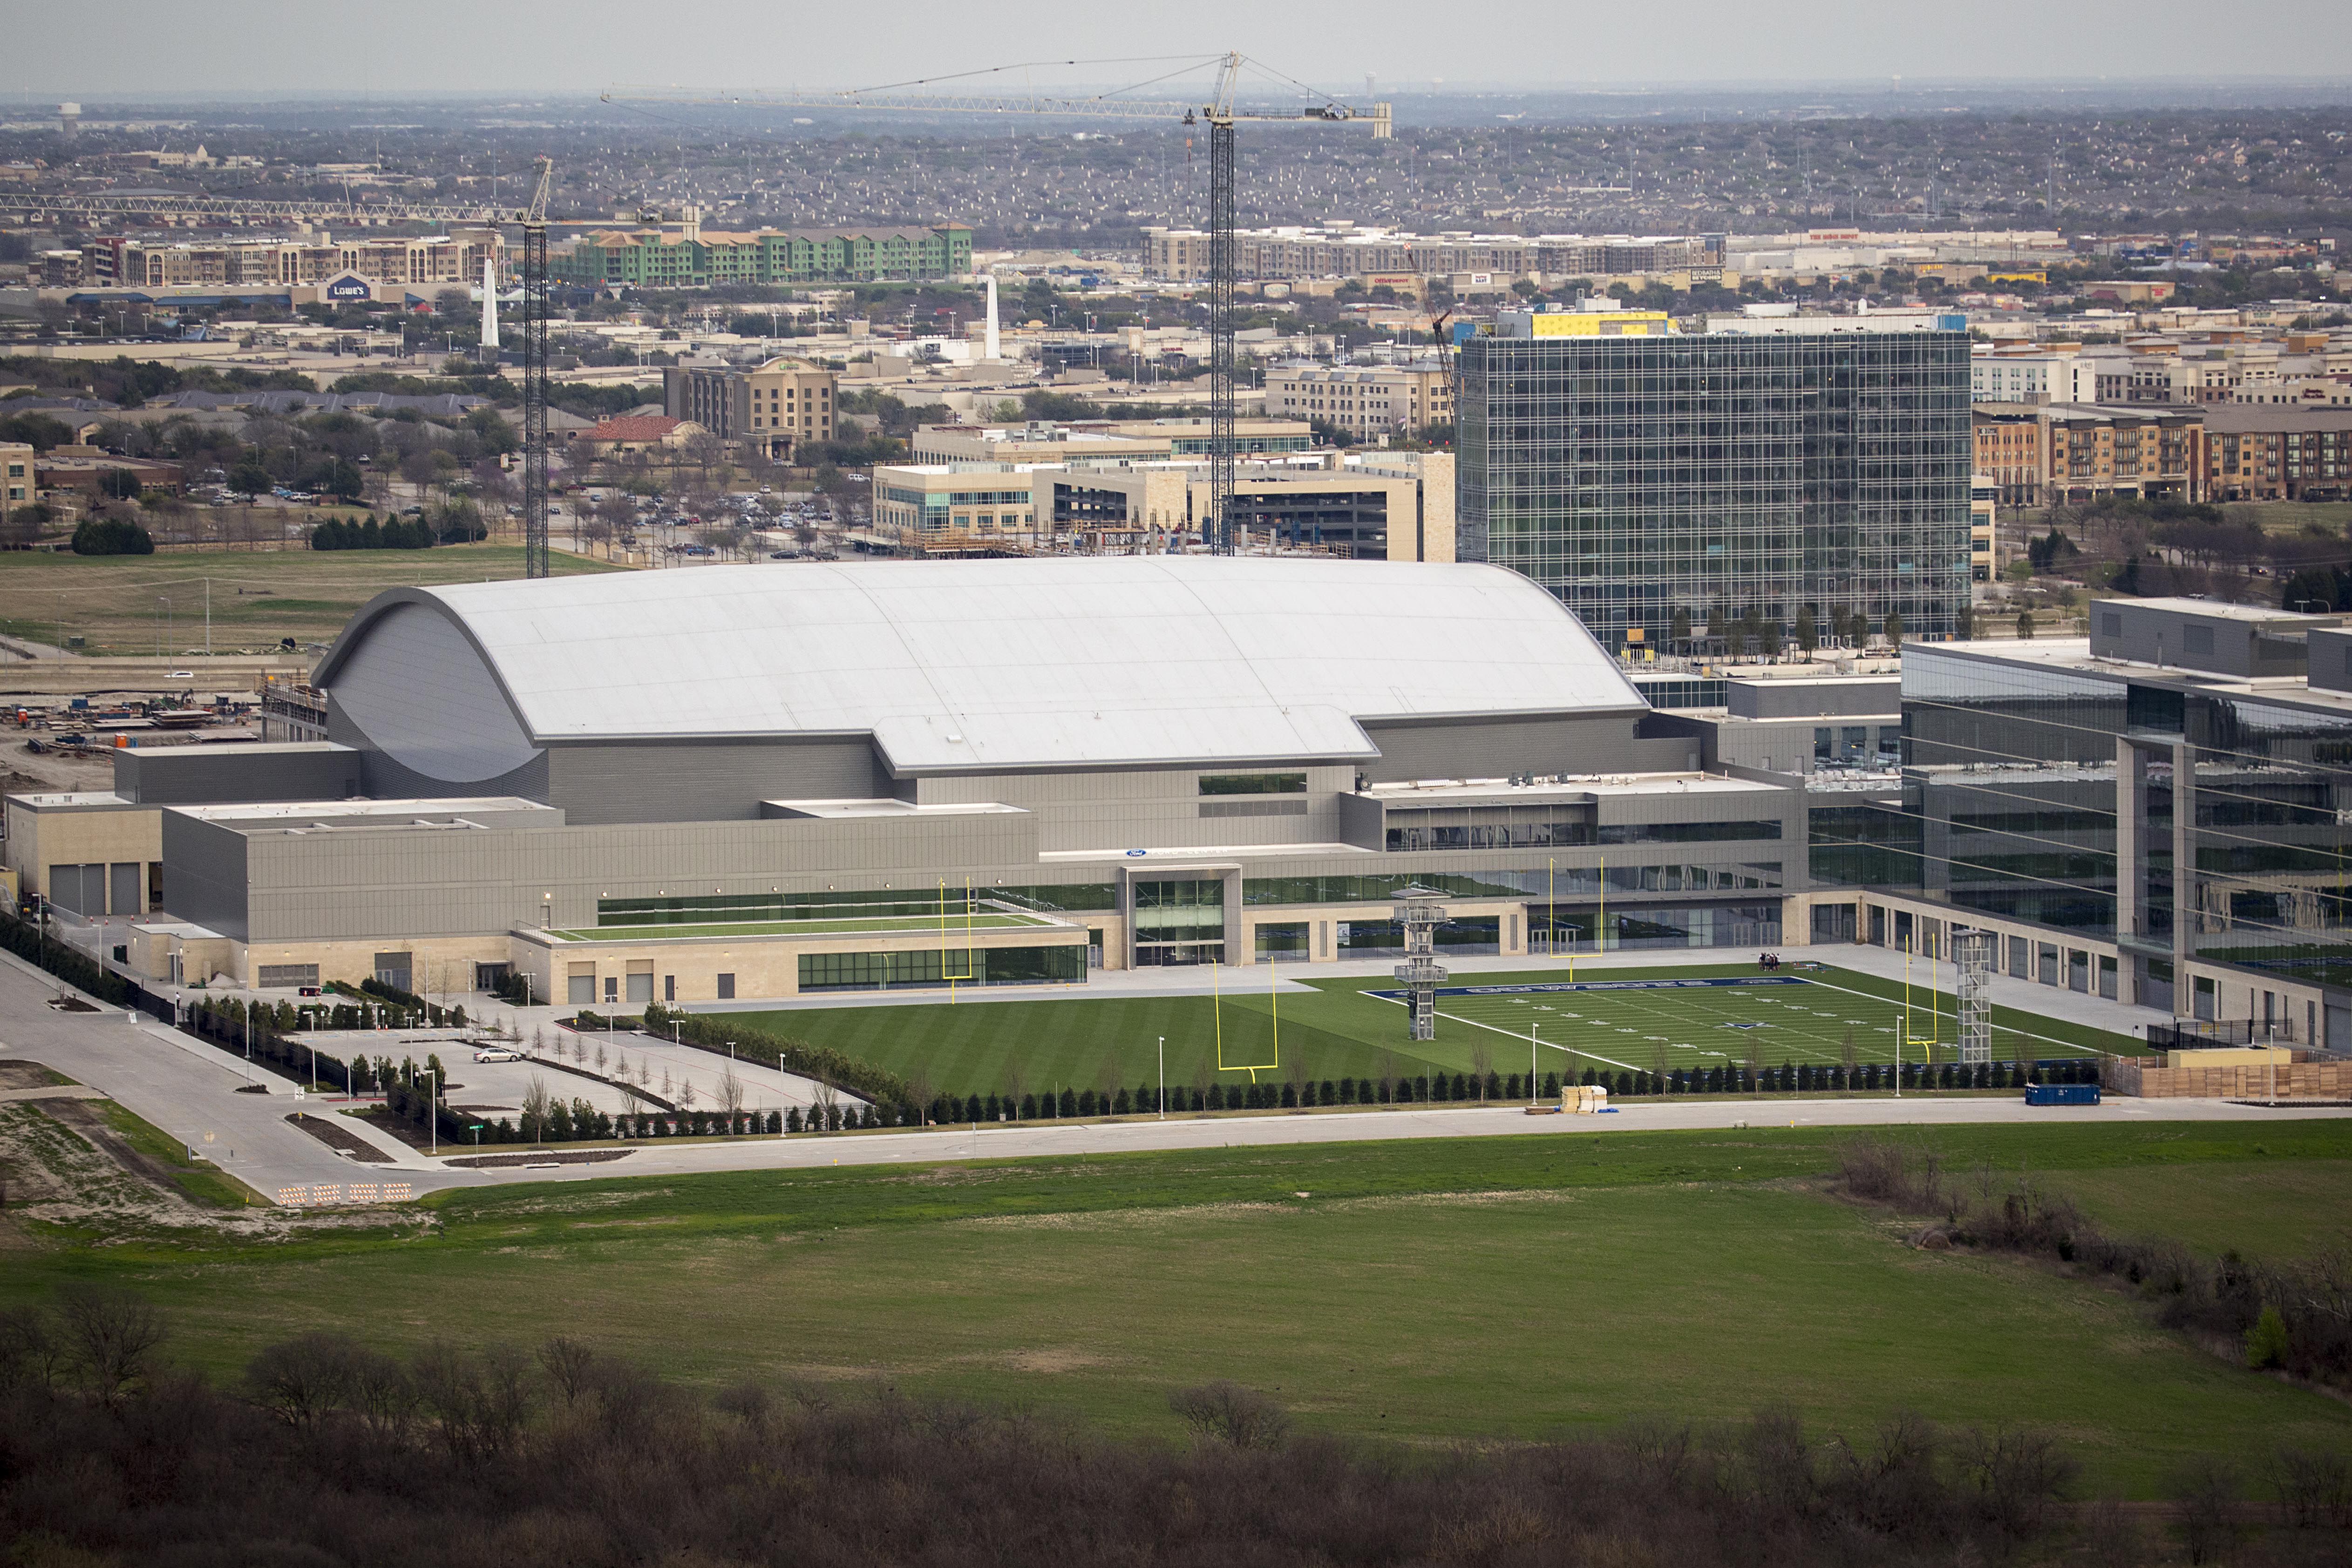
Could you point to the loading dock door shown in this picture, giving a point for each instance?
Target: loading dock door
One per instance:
(79, 888)
(127, 892)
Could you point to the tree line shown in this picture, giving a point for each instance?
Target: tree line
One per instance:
(332, 1447)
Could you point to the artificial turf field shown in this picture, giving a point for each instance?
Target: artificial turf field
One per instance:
(1428, 1291)
(1622, 1020)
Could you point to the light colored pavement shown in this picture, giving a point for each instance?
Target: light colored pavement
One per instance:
(1032, 1139)
(190, 1092)
(53, 1091)
(189, 1089)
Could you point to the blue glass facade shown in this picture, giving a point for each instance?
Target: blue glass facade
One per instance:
(1635, 476)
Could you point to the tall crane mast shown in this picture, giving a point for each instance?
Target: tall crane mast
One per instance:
(535, 306)
(1219, 114)
(534, 375)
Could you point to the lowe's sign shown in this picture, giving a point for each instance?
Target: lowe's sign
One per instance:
(347, 287)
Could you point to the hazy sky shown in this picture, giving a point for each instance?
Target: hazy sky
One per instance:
(61, 49)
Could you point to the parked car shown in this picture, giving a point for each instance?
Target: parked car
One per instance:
(495, 1053)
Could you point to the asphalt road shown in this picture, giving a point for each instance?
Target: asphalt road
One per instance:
(189, 1089)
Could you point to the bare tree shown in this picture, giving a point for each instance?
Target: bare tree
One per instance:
(303, 1379)
(732, 1096)
(1229, 1413)
(600, 1057)
(536, 1104)
(110, 1337)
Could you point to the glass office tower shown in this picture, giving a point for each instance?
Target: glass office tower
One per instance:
(1637, 476)
(2179, 838)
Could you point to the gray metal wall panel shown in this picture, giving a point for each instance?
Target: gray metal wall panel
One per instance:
(361, 885)
(1496, 749)
(204, 874)
(1800, 699)
(1151, 807)
(708, 782)
(203, 775)
(420, 694)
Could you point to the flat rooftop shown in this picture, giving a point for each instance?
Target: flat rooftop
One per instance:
(887, 806)
(1197, 852)
(71, 800)
(474, 813)
(1566, 787)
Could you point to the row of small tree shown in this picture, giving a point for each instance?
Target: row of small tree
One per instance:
(1752, 630)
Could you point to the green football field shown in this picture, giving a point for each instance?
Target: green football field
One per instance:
(1620, 1020)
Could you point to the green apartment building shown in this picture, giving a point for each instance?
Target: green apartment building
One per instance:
(694, 258)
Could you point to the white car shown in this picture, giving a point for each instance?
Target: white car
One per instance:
(496, 1053)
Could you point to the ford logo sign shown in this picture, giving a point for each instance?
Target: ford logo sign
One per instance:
(1137, 855)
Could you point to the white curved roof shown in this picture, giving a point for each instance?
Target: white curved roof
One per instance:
(1028, 663)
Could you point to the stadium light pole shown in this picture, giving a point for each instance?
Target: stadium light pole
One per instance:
(1532, 1064)
(1163, 1078)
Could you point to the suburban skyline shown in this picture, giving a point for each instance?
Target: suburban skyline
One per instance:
(273, 47)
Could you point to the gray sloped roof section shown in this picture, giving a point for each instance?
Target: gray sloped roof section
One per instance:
(1038, 662)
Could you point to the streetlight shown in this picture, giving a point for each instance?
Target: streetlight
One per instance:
(432, 1115)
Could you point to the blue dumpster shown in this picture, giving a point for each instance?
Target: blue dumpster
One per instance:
(2062, 1094)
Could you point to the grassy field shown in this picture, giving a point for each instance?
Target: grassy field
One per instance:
(1425, 1291)
(1342, 1030)
(957, 925)
(2266, 1207)
(2290, 516)
(258, 596)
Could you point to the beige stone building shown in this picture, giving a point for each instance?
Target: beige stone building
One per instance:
(785, 404)
(1387, 506)
(1366, 401)
(454, 259)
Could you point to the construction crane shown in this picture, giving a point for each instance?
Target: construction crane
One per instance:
(534, 375)
(1219, 113)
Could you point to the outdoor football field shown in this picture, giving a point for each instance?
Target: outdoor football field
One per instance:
(1615, 1020)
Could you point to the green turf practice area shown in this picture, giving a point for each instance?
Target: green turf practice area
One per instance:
(959, 926)
(1426, 1291)
(1642, 1020)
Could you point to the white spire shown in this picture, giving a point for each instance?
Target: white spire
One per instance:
(489, 302)
(989, 348)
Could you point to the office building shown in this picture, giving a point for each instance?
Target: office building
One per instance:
(1383, 505)
(1103, 443)
(1640, 477)
(2154, 812)
(783, 404)
(763, 781)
